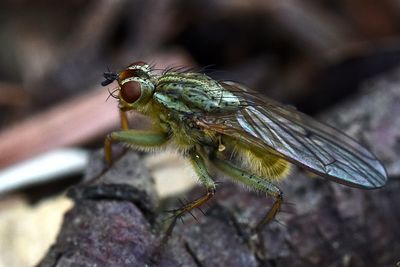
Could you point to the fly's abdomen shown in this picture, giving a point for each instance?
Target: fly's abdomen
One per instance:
(264, 164)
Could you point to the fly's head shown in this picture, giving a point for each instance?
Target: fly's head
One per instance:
(135, 85)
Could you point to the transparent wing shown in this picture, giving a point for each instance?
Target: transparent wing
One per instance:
(299, 139)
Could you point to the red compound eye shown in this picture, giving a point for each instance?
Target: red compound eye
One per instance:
(131, 91)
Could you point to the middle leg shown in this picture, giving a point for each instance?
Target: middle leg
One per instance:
(205, 179)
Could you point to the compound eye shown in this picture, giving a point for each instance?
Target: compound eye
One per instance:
(131, 91)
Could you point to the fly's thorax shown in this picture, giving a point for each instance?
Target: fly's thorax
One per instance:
(212, 98)
(193, 92)
(184, 132)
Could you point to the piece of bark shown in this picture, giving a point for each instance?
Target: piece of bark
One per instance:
(115, 220)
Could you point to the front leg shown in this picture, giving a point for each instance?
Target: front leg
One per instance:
(254, 182)
(135, 138)
(123, 119)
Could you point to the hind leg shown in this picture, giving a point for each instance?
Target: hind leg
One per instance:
(256, 183)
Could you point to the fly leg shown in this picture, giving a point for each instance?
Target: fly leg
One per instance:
(124, 120)
(205, 179)
(254, 182)
(108, 142)
(135, 138)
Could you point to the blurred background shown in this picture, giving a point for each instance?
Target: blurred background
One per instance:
(53, 112)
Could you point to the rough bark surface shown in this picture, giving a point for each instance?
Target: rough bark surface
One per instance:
(115, 219)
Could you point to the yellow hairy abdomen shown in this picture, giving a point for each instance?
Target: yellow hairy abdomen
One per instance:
(263, 163)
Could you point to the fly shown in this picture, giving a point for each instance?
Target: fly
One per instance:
(252, 139)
